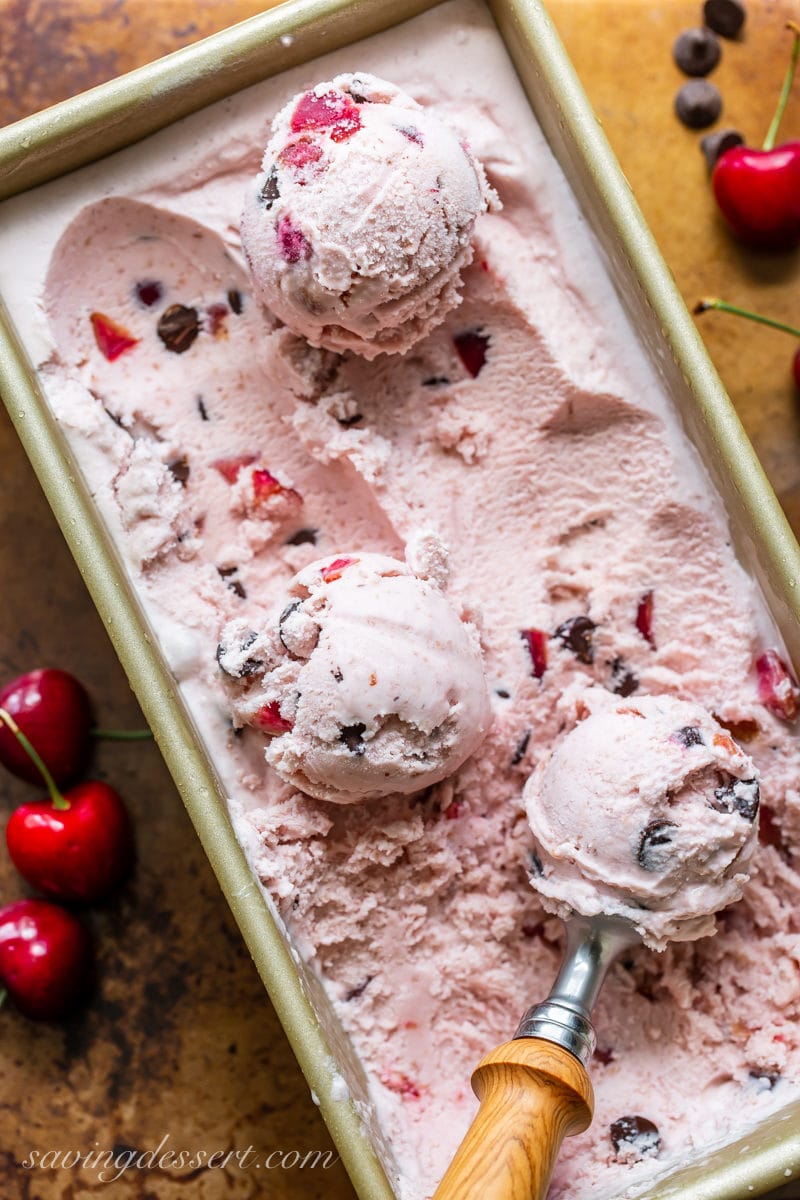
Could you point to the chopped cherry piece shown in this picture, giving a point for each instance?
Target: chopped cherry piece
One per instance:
(269, 720)
(777, 690)
(644, 618)
(453, 810)
(112, 339)
(536, 643)
(229, 468)
(471, 347)
(300, 154)
(149, 292)
(215, 316)
(333, 571)
(265, 485)
(333, 110)
(293, 243)
(399, 1082)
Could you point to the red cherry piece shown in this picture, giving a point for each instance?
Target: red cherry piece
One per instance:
(265, 485)
(269, 720)
(471, 347)
(52, 709)
(644, 618)
(149, 292)
(112, 339)
(454, 810)
(292, 242)
(536, 643)
(45, 958)
(398, 1081)
(777, 689)
(229, 468)
(758, 193)
(333, 110)
(76, 854)
(215, 319)
(300, 154)
(333, 571)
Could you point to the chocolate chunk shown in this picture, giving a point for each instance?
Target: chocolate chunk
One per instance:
(725, 17)
(359, 989)
(337, 674)
(235, 301)
(696, 51)
(698, 104)
(740, 796)
(637, 1134)
(435, 381)
(346, 422)
(716, 143)
(689, 735)
(655, 845)
(623, 680)
(503, 693)
(180, 470)
(535, 864)
(768, 1077)
(226, 571)
(201, 408)
(522, 746)
(576, 634)
(302, 537)
(178, 326)
(270, 192)
(291, 607)
(250, 666)
(353, 737)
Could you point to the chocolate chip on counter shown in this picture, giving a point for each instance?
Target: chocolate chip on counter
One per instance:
(716, 143)
(302, 537)
(353, 737)
(725, 17)
(521, 747)
(270, 192)
(655, 845)
(178, 326)
(576, 634)
(180, 470)
(637, 1134)
(698, 103)
(696, 51)
(740, 796)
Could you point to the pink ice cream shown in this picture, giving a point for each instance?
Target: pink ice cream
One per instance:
(531, 433)
(361, 222)
(367, 681)
(646, 810)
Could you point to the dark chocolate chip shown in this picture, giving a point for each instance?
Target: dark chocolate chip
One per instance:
(535, 864)
(696, 51)
(178, 326)
(502, 693)
(725, 17)
(226, 571)
(576, 634)
(250, 666)
(353, 737)
(623, 680)
(771, 1077)
(302, 537)
(359, 989)
(716, 143)
(337, 674)
(201, 408)
(291, 607)
(689, 735)
(698, 103)
(270, 192)
(180, 470)
(346, 422)
(655, 845)
(637, 1133)
(435, 381)
(238, 587)
(522, 746)
(740, 796)
(235, 301)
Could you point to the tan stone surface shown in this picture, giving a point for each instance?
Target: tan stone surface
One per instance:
(180, 1039)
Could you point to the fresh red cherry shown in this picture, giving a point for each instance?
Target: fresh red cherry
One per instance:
(758, 191)
(45, 958)
(77, 851)
(722, 306)
(52, 709)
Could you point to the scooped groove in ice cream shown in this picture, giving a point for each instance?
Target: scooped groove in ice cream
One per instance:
(645, 810)
(359, 226)
(368, 681)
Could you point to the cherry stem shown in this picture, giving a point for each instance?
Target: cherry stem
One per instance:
(723, 306)
(58, 801)
(772, 132)
(122, 735)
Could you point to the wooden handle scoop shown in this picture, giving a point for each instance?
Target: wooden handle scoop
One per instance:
(534, 1090)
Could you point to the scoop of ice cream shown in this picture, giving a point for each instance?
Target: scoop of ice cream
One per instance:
(645, 810)
(359, 225)
(368, 681)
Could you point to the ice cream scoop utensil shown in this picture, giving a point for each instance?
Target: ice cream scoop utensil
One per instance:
(534, 1090)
